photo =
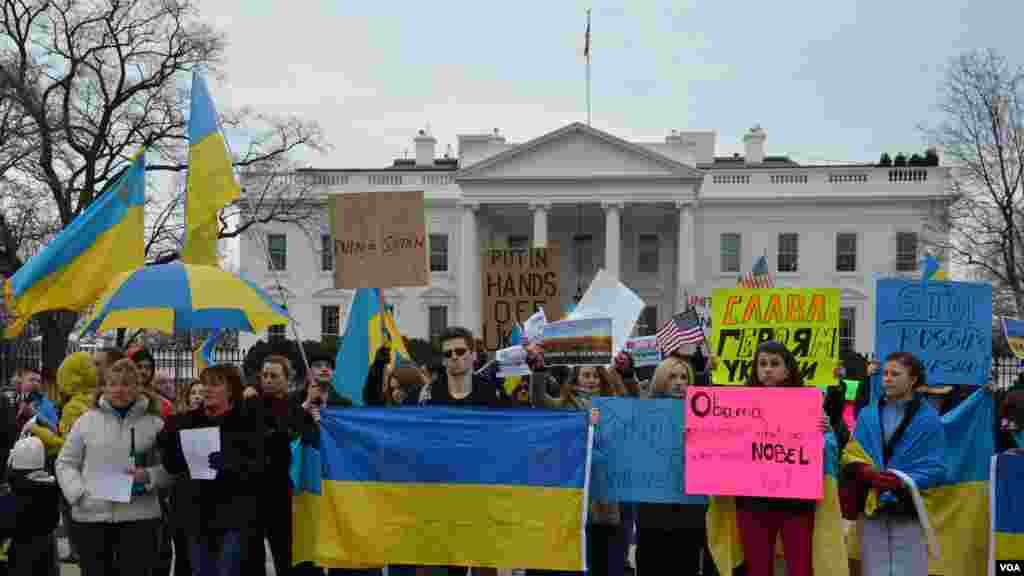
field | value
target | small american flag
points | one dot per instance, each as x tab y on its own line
759	277
683	328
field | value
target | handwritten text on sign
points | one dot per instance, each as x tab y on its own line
947	325
515	284
744	441
638	452
805	320
379	240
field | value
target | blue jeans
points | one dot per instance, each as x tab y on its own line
216	554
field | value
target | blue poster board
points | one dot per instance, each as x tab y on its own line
638	452
947	325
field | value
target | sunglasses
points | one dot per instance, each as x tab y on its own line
455	352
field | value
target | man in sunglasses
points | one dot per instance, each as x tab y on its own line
458	385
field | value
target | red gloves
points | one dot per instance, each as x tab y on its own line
880	480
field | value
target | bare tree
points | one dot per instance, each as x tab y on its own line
85	84
983	139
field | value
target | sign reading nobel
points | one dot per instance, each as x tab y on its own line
380	240
516	283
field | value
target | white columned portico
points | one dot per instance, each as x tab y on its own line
687	251
612	236
469	276
540	223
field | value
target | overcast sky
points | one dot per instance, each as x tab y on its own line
828	81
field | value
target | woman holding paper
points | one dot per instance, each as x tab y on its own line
674	534
113	499
899	432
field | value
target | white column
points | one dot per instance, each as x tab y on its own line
687	252
540	223
469	275
612	236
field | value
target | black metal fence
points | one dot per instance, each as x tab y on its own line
176	364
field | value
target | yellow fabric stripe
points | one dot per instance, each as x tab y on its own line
1009	546
161	319
959	513
83	280
304	526
211	185
495	526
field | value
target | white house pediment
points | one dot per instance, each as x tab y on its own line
578	151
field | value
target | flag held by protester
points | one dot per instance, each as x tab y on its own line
72	271
211	182
369	326
1007	551
454	487
683	328
203	356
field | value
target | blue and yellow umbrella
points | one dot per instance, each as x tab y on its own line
178	297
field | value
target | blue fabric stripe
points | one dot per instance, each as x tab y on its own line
1014	327
105	212
170	281
454	446
919	454
202	120
352	362
1009	508
971	443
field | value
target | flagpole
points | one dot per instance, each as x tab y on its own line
587	54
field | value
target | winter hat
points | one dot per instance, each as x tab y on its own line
27	454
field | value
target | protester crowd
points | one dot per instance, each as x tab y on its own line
108	411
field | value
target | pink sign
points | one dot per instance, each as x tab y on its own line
744	441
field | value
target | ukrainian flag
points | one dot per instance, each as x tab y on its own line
74	268
211	181
369	325
305	476
1008	511
203	356
828	548
454	487
952	475
1014	330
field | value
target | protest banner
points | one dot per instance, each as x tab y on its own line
1006	548
947	325
638	452
583	342
745	441
380	240
805	320
515	285
644	351
1014	331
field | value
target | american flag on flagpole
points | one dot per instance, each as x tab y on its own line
759	277
683	328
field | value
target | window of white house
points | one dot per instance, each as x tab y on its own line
730	249
906	252
277	247
647	324
276	332
647	254
583	254
326	253
518	242
437	321
846	252
438	252
848	329
789	252
330	321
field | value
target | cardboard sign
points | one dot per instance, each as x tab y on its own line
946	325
583	342
754	442
805	320
380	240
638	452
515	285
644	350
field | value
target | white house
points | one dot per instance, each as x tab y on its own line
670	218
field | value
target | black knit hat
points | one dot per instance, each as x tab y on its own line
321	357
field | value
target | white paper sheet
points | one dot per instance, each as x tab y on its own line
196	445
107	478
608	298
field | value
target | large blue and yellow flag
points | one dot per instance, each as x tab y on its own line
453	487
828	547
72	271
369	325
1008	514
951	472
211	181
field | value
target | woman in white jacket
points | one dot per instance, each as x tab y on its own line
115	533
